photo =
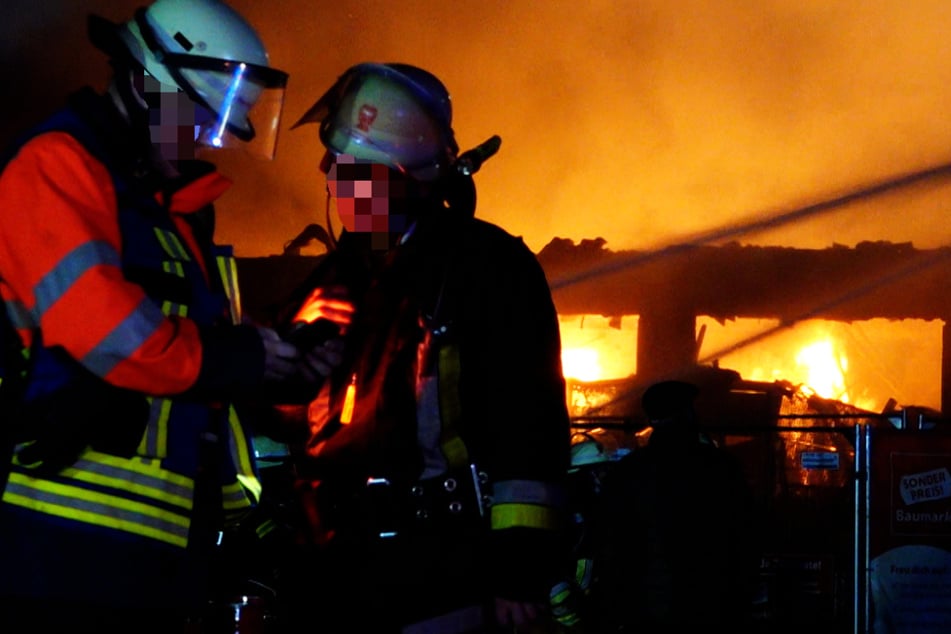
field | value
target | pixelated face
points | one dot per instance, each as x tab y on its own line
174	120
370	197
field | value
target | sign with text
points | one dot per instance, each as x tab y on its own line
910	532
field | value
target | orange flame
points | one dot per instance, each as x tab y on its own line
596	349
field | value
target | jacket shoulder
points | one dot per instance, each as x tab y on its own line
488	239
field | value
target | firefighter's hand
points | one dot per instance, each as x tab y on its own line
319	361
517	613
332	303
281	359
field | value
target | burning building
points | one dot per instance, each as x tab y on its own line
803	449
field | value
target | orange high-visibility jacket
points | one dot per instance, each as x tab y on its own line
106	271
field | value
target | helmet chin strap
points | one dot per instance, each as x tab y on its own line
130	102
329	221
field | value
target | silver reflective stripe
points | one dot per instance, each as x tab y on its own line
155	441
125	338
99	509
136	476
429	427
527	492
20	317
135	496
68	270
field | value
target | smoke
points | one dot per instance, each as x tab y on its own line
645	123
637	122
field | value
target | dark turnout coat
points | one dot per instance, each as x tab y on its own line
676	537
464	306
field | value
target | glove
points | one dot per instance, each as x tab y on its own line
280	357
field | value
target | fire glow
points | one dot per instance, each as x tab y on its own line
818	368
863	365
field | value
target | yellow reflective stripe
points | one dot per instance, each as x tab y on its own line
523	515
455	451
559	593
243	461
450	410
143	466
527	492
584	573
155	440
228	269
234	496
173	267
147	479
265	528
239	443
250	485
562	605
100	509
172	245
570	619
173	308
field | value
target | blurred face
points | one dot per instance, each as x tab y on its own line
174	119
370	197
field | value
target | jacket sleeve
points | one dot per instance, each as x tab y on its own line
60	262
520	401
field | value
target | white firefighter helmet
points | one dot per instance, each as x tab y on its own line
587	451
395	114
210	52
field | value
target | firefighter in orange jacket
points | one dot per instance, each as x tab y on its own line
128	455
437	451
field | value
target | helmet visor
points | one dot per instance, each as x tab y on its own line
377	113
245	101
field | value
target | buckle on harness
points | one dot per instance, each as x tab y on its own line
459	497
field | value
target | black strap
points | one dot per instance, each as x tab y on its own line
13	367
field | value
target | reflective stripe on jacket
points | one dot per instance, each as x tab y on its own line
86	242
479	382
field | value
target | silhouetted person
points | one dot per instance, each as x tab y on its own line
675	532
451	385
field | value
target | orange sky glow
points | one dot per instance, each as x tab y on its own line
646	123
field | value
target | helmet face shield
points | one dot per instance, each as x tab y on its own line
210	52
245	100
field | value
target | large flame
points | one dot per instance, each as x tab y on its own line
581	364
820	357
824	369
818	368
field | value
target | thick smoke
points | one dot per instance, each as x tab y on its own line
637	122
645	123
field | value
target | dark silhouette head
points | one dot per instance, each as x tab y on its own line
669	407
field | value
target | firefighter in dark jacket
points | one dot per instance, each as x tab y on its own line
129	454
676	528
434	464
